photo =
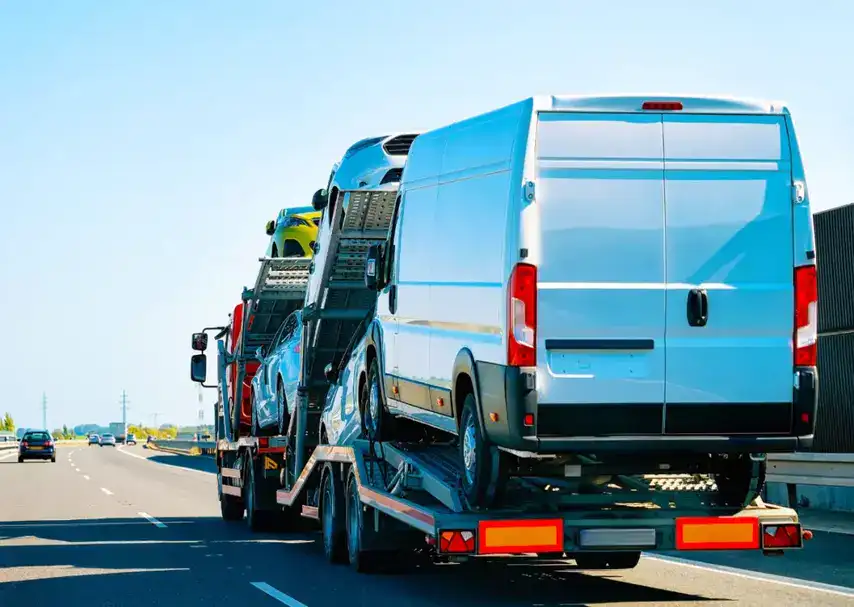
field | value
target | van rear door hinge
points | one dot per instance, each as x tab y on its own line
799	192
529	191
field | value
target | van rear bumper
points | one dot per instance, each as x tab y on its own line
506	395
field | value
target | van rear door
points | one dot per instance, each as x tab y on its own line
600	263
729	274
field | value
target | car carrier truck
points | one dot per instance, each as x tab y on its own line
375	499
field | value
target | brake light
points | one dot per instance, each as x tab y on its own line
781	536
806	316
460	542
662	106
522	316
48	443
24	444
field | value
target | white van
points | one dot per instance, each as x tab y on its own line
589	275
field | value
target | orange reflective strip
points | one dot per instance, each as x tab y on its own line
519	537
717	533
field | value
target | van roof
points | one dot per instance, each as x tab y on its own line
634	103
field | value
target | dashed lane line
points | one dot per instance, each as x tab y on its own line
107	491
277	594
152	520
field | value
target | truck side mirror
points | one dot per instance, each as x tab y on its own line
271	227
330	373
320	199
199	368
374	268
200	342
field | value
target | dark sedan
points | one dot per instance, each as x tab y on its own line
37	444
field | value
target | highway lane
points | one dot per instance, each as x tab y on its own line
132	527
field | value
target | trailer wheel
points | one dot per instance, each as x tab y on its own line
484	466
607	560
230	507
332	515
257	519
741	481
361	559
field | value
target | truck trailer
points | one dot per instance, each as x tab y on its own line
377	498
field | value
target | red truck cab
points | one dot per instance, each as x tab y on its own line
232	343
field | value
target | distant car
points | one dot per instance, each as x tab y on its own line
130	440
37	444
293	232
94	439
108	439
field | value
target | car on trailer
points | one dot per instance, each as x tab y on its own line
293	232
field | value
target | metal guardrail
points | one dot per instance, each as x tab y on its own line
187	447
821	469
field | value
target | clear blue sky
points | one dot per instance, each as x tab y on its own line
143	144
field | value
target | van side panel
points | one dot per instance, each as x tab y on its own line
600	327
728	197
477	188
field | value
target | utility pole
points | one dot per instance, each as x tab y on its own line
125	410
44	410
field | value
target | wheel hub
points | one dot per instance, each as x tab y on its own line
469	453
373	407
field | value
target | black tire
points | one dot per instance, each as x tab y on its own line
332	516
20	460
53	460
741	482
607	560
282	409
257	519
376	421
230	507
361	559
484	467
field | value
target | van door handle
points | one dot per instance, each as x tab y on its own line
392	298
698	307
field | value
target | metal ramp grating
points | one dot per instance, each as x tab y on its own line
362	219
282	278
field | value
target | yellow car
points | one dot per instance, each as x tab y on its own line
293	232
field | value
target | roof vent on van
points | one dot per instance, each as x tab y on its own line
392	176
399	146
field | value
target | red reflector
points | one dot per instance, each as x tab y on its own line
522	316
806	316
805	417
781	536
459	542
529	419
665	106
264	442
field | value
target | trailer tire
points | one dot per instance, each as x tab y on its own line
257	519
484	467
282	414
332	516
607	560
362	560
230	508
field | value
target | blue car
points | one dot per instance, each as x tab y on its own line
36	444
274	387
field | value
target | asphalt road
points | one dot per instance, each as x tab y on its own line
129	527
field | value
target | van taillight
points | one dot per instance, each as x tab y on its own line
806	316
522	316
662	106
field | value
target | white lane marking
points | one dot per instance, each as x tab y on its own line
167	467
107	491
83	524
755	575
278	595
152	520
77	469
86	476
7	455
